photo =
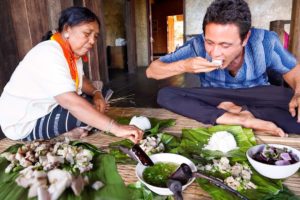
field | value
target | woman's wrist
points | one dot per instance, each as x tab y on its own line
96	91
110	126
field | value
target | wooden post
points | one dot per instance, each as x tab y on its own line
130	35
29	26
149	31
98	62
278	27
295	30
9	55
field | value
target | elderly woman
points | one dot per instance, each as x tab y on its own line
43	97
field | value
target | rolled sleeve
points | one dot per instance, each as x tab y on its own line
281	60
192	48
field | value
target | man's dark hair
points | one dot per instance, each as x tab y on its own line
229	12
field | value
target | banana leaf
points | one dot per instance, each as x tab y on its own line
193	140
140	192
156	124
104	170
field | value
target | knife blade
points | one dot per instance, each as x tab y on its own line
108	95
129	152
142	156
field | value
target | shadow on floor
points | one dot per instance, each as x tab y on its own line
136	90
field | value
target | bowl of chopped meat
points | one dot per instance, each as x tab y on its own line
274	160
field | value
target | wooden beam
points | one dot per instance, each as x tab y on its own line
98	62
9	55
38	19
295	30
130	35
278	27
66	4
21	27
149	32
54	9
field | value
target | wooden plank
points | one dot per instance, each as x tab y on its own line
149	31
9	55
130	35
295	30
98	62
37	13
278	27
21	27
66	4
54	9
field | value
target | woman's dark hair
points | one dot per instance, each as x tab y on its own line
71	17
229	12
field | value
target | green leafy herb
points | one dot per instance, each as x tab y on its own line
159	173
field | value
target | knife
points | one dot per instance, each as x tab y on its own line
137	154
108	95
184	173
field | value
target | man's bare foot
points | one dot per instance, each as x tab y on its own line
230	107
77	133
247	120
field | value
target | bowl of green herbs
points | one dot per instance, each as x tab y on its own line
165	164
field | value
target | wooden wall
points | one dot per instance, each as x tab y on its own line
24	22
160	10
9	55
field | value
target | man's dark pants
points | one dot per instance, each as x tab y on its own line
268	103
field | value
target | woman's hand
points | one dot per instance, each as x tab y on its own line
294	106
129	132
100	104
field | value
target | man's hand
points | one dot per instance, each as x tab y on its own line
198	64
294	106
100	104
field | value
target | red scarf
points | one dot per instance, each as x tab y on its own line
70	57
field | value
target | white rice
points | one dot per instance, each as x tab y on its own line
221	141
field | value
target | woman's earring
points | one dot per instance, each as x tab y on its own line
66	35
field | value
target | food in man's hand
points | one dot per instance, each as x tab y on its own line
141	122
275	156
218	62
221	141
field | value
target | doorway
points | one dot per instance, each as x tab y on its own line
165	17
174	32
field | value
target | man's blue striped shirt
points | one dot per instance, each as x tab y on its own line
263	51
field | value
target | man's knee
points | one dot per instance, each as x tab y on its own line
165	96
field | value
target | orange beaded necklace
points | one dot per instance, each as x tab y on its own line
70	57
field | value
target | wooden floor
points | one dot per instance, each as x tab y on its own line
143	91
193	192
